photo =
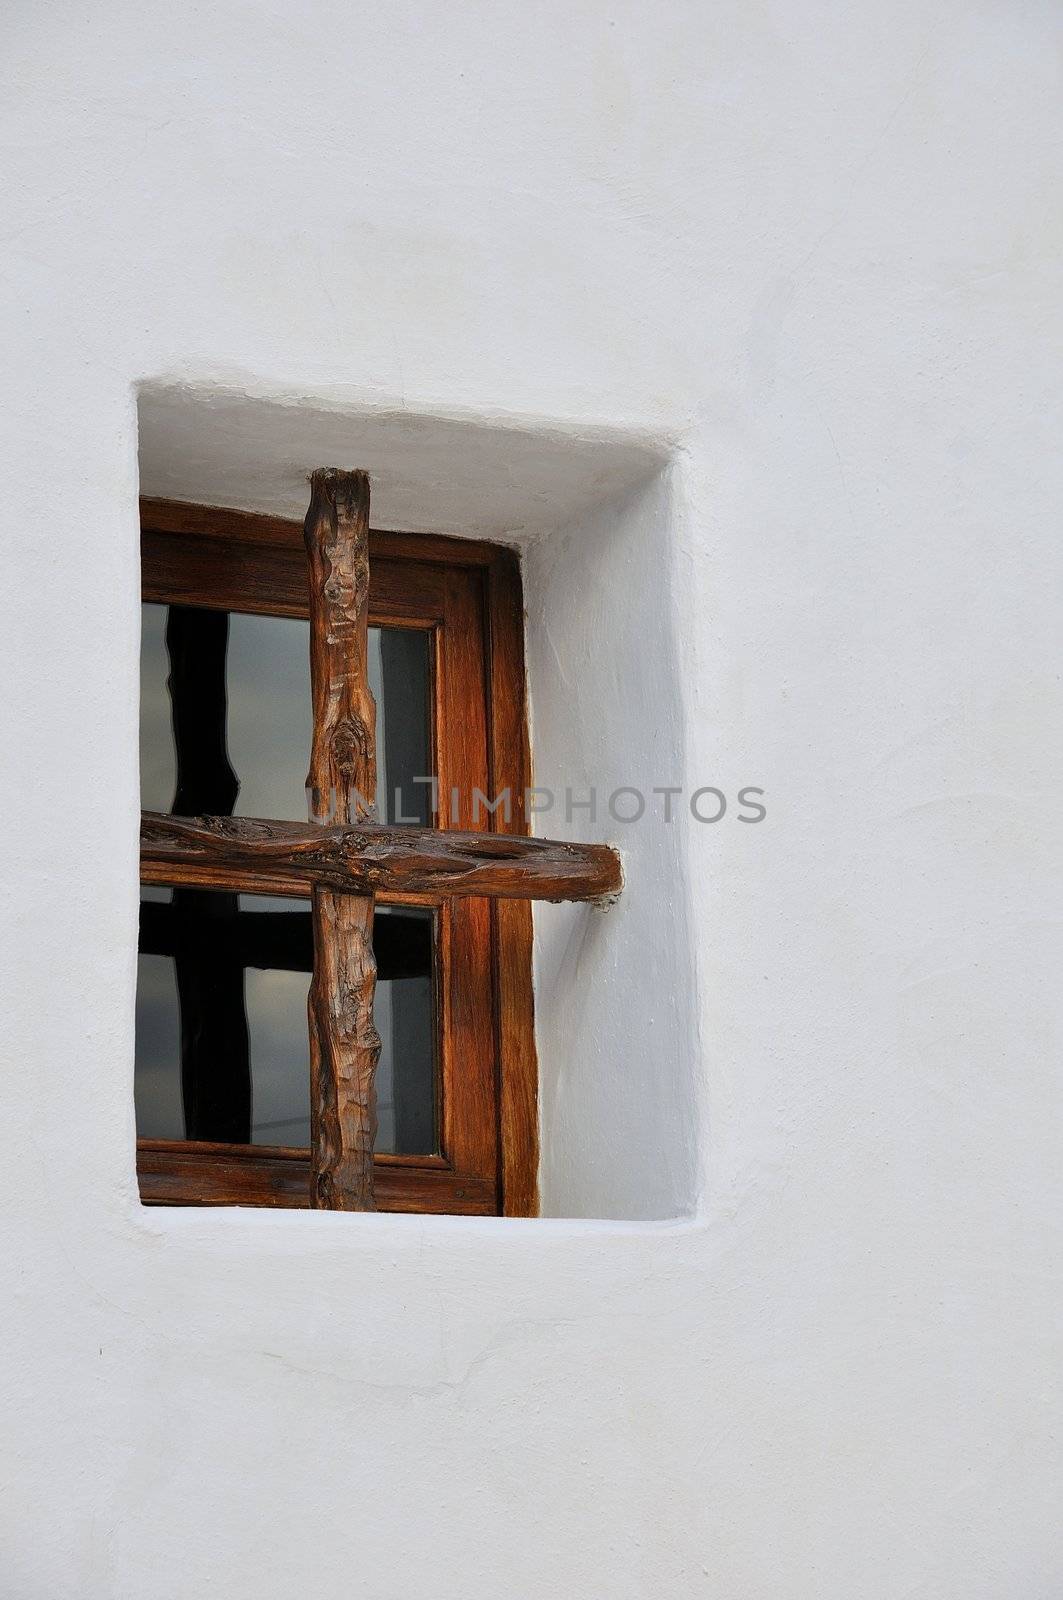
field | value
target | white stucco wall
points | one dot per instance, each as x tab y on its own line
813	256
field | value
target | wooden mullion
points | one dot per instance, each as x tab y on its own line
341	787
470	1133
510	757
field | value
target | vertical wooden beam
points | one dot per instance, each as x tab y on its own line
341	787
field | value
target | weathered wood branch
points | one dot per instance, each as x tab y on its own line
341	788
344	1050
341	783
372	859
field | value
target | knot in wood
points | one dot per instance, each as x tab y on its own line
246	829
351	748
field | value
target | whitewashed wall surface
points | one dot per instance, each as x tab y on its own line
743	319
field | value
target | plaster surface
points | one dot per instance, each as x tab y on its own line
813	259
498	477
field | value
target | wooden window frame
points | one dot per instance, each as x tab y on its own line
468	595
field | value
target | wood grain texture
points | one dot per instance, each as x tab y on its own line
344	1050
222	525
341	782
270	580
470	1064
173	1172
341	788
375	859
518	1109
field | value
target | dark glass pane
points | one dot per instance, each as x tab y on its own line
399	678
221	1034
403	939
244	701
222	1048
157	1074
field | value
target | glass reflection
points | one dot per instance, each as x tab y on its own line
238	689
222	1047
222	1050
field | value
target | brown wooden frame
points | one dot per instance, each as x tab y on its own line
468	593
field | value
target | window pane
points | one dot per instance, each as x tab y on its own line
399	679
270	721
157	768
223	981
404	939
243	702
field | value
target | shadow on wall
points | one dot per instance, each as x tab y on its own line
615	998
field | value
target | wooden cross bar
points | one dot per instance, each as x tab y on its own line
343	856
370	859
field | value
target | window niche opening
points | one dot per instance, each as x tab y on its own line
614	1105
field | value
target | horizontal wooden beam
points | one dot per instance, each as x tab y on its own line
372	859
252	528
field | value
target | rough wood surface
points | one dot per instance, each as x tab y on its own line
344	1050
512	919
341	783
373	859
341	788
